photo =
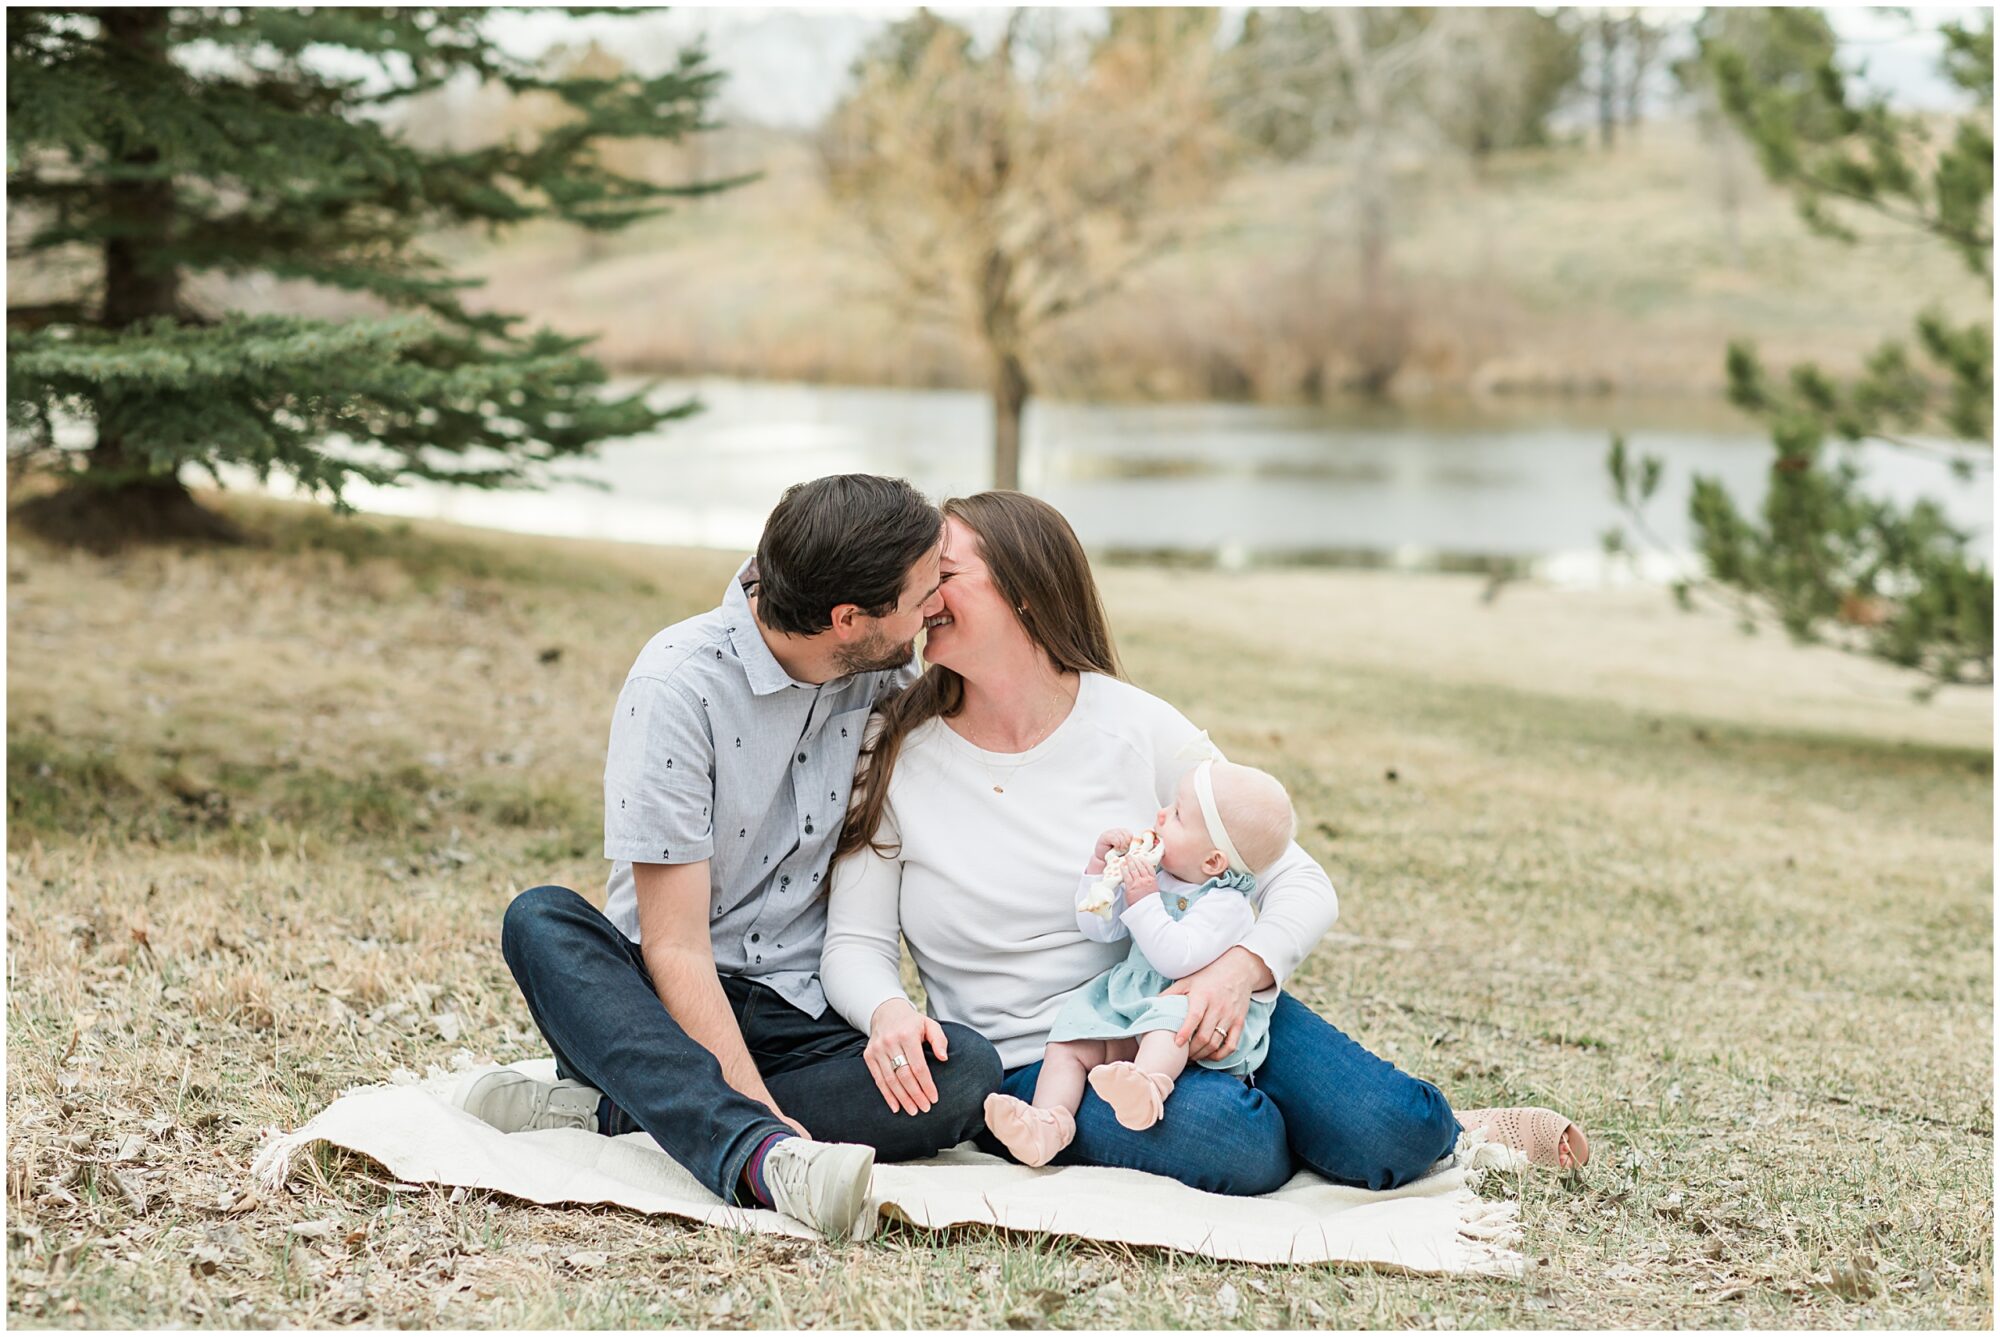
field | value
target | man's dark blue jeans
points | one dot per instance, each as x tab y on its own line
589	992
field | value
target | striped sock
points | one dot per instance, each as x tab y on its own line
753	1173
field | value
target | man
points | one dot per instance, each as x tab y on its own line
691	1007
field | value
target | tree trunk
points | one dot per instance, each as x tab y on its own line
1715	134
1377	347
1000	327
1607	79
1010	399
136	286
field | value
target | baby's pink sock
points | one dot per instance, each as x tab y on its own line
1136	1096
1031	1133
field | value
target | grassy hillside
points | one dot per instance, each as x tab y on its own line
1728	902
1566	270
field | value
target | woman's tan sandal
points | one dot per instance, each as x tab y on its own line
1548	1139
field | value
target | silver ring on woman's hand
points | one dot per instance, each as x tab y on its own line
897	1061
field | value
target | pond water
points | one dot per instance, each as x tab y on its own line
1233	483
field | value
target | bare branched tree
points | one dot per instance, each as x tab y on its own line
1006	189
1355	86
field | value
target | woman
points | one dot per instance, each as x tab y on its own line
974	808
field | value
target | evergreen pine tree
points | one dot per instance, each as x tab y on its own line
1825	559
147	147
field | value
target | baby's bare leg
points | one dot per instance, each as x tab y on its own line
1065	1065
1158	1053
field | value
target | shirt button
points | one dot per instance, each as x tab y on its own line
1180	903
756	937
809	828
760	960
802	756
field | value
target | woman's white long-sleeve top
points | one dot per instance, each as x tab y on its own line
982	884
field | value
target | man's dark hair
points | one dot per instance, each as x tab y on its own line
843	539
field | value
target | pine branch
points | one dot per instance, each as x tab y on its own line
1930	450
1916	218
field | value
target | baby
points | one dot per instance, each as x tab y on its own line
1118	1031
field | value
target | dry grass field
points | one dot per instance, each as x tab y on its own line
1726	901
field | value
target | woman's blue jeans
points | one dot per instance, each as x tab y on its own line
1320	1101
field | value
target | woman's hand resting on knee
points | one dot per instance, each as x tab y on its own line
1218	1000
898	1029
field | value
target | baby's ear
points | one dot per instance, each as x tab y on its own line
1215	864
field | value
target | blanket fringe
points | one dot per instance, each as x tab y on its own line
1496	1221
273	1164
1489	1239
1477	1153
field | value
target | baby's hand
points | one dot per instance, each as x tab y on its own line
1116	839
1140	879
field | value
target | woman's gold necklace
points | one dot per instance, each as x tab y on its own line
1041	736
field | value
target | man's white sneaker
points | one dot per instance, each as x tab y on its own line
514	1103
824	1184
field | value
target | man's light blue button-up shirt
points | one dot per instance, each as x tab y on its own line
717	753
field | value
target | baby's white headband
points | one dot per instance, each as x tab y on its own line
1205	791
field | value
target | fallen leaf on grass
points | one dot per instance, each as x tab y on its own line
586	1260
129	1187
1225	1300
1851	1280
312	1230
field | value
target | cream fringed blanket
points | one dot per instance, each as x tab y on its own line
1437	1224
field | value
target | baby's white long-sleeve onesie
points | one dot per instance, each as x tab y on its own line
1176	948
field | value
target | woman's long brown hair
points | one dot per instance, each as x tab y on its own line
1040	569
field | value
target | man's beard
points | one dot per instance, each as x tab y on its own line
875	655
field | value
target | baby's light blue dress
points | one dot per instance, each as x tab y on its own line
1127	999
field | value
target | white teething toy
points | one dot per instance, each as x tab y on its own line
1145	847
